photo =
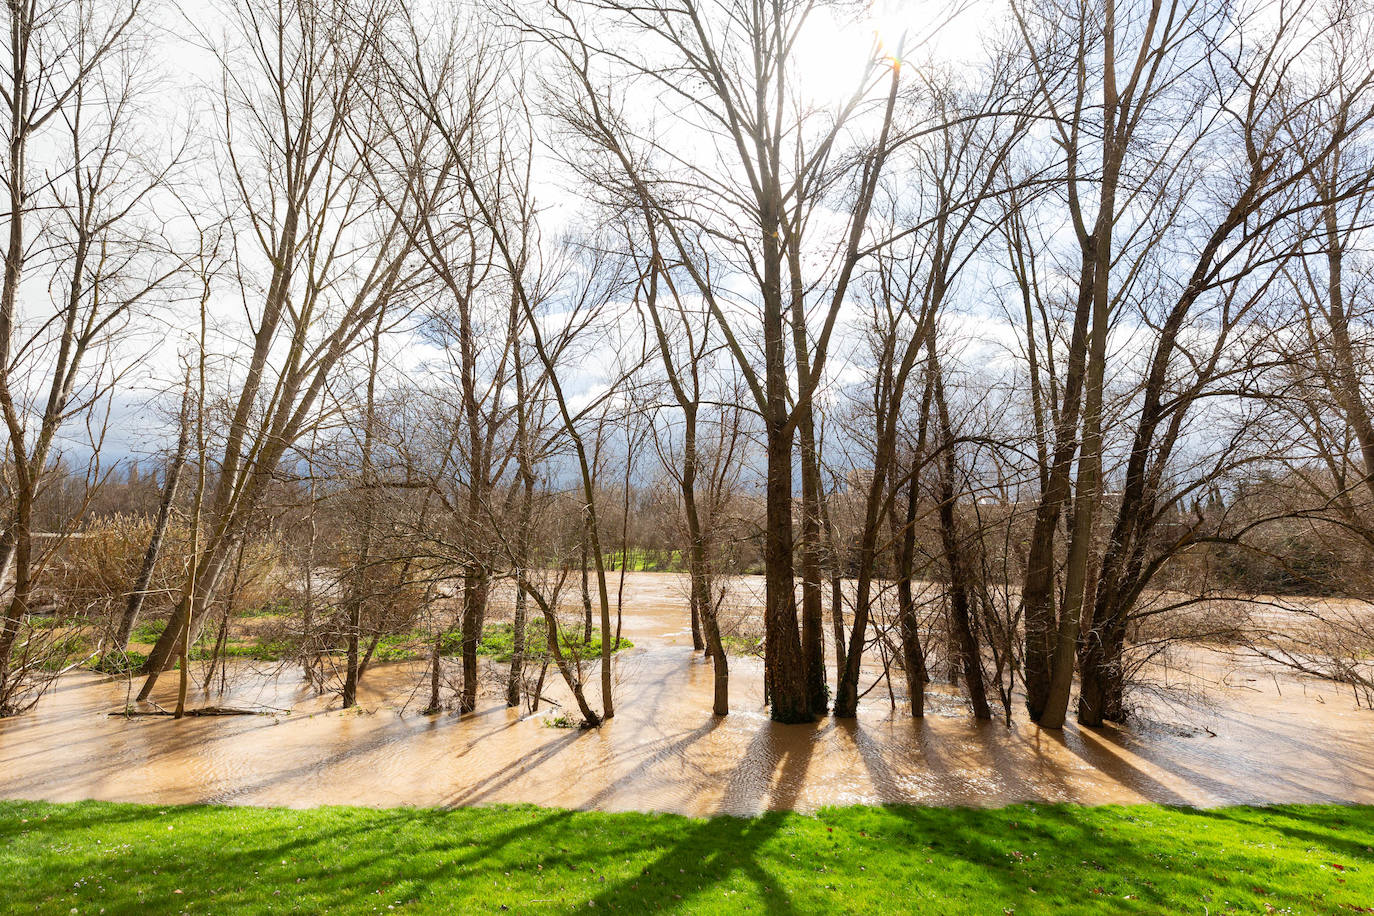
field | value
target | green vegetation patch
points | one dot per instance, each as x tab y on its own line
498	641
270	650
741	645
638	559
120	662
277	607
91	856
148	631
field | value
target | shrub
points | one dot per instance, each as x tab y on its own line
97	568
119	663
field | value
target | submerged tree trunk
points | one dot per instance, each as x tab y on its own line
784	668
1038	591
909	624
230	603
18	606
699	567
847	691
354	624
515	676
694	606
961	618
785	665
1102	676
835	560
589	718
360	579
812	619
474	607
435	666
586	588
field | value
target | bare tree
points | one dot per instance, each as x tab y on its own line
936	235
72	81
685	345
723	75
300	150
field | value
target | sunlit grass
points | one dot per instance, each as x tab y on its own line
91	856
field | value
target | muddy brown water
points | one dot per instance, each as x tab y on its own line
1259	737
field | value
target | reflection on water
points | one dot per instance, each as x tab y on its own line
664	751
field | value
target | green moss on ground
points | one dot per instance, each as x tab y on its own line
91	857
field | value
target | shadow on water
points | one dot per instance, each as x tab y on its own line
1100	754
664	751
483	788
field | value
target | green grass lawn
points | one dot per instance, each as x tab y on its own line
95	857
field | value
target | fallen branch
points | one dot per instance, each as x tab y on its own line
202	711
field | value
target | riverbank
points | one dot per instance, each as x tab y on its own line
93	857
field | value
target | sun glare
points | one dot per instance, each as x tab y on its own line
835	50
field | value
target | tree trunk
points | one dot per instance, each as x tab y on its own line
913	655
517	658
699	569
589	718
18	607
836	561
812	619
784	669
360	583
694	605
1101	672
474	607
961	619
435	661
1037	593
586	589
150	556
355	625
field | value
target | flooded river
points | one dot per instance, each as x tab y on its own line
1259	737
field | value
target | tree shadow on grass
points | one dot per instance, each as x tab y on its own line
82	816
1307	825
336	859
1049	858
771	771
917	859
